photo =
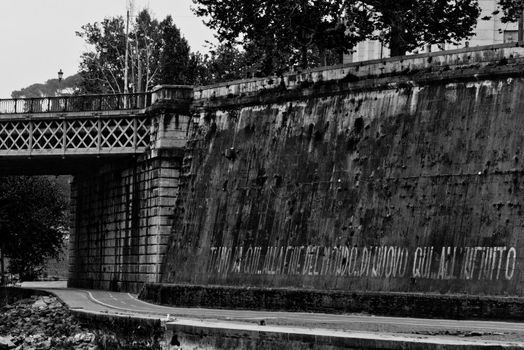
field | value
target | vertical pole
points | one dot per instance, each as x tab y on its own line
126	67
521	27
135	133
31	136
99	141
2	267
64	135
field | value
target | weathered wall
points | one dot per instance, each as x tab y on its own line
121	224
405	181
123	212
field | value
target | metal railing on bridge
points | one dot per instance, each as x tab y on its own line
83	125
75	103
51	126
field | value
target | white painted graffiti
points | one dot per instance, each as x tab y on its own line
446	263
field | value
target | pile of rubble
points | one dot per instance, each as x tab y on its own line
42	323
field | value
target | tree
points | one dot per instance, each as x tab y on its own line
51	87
223	63
175	60
286	32
405	25
512	10
158	54
102	68
32	223
294	31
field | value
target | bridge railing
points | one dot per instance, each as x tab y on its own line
73	103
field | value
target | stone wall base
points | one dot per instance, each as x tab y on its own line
339	302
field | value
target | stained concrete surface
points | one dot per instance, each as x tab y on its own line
415	330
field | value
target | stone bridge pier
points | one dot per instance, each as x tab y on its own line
122	208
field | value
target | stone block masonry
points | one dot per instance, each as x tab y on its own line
121	223
397	175
123	213
401	175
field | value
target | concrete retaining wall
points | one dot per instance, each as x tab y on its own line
409	183
398	175
451	60
217	336
338	302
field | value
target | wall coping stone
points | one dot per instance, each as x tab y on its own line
228	335
403	304
471	58
403	65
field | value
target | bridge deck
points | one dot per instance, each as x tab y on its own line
74	125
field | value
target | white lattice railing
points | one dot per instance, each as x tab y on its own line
70	135
75	103
85	124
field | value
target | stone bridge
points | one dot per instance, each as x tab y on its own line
74	126
121	151
67	134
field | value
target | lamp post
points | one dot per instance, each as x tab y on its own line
58	94
60	76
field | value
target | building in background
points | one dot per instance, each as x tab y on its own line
488	32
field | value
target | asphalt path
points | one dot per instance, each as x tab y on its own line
127	304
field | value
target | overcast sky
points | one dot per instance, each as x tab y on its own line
37	37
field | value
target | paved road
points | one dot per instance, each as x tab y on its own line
128	304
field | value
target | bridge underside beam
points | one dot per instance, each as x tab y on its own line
50	165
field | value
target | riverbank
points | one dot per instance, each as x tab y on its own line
42	321
221	329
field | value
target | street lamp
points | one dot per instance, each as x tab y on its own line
60	76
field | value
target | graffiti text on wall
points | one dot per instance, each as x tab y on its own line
446	263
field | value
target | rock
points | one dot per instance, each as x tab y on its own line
46	345
6	343
48	300
54	305
77	339
89	338
39	304
44	323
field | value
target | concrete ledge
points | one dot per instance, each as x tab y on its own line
403	82
220	335
301	300
11	294
402	65
96	283
138	325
